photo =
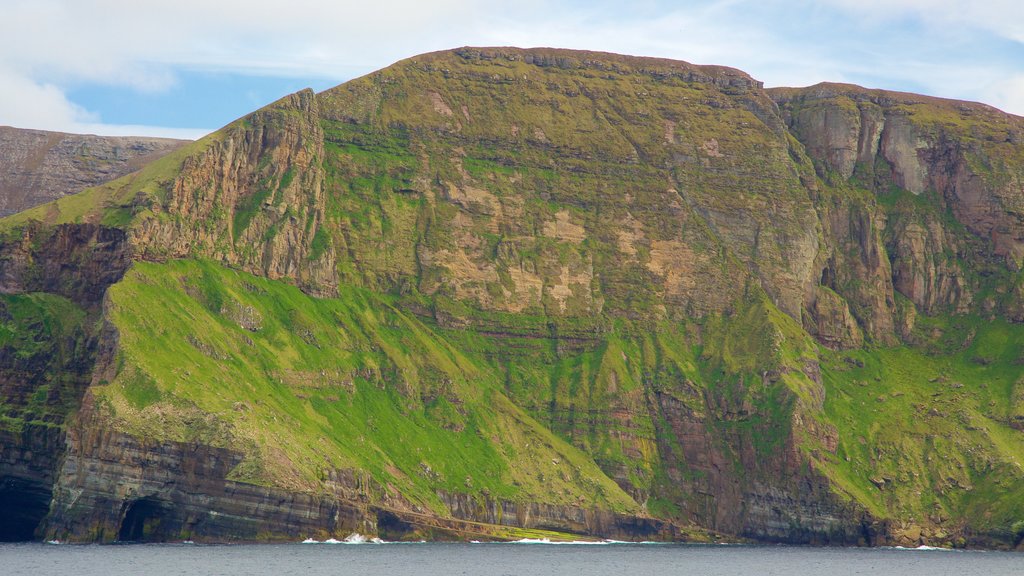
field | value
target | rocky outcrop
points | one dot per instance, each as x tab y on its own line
657	68
113	487
856	270
77	261
37	167
1017	413
565	519
967	154
926	262
831	321
258	194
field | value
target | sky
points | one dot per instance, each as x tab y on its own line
183	68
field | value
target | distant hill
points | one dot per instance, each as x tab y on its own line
37	166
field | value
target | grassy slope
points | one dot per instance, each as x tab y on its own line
303	386
926	435
312	385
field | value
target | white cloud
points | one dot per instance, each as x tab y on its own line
1006	94
26	103
964	49
1002	17
126	41
47	46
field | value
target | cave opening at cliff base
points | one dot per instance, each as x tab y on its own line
23	505
142	520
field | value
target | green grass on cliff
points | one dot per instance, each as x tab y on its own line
304	386
926	435
29	321
43	338
616	389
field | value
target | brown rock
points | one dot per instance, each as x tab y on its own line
38	166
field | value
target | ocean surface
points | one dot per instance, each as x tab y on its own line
437	559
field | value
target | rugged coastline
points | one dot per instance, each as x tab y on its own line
637	300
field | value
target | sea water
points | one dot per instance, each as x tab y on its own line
527	558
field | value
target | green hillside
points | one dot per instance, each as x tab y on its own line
304	386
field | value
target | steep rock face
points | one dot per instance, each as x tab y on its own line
575	291
927	266
856	269
773	499
37	166
47	353
529	210
531	213
112	487
76	261
28	463
846	125
258	194
966	154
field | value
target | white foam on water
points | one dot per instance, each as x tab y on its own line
356	538
353	538
649	542
574	542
